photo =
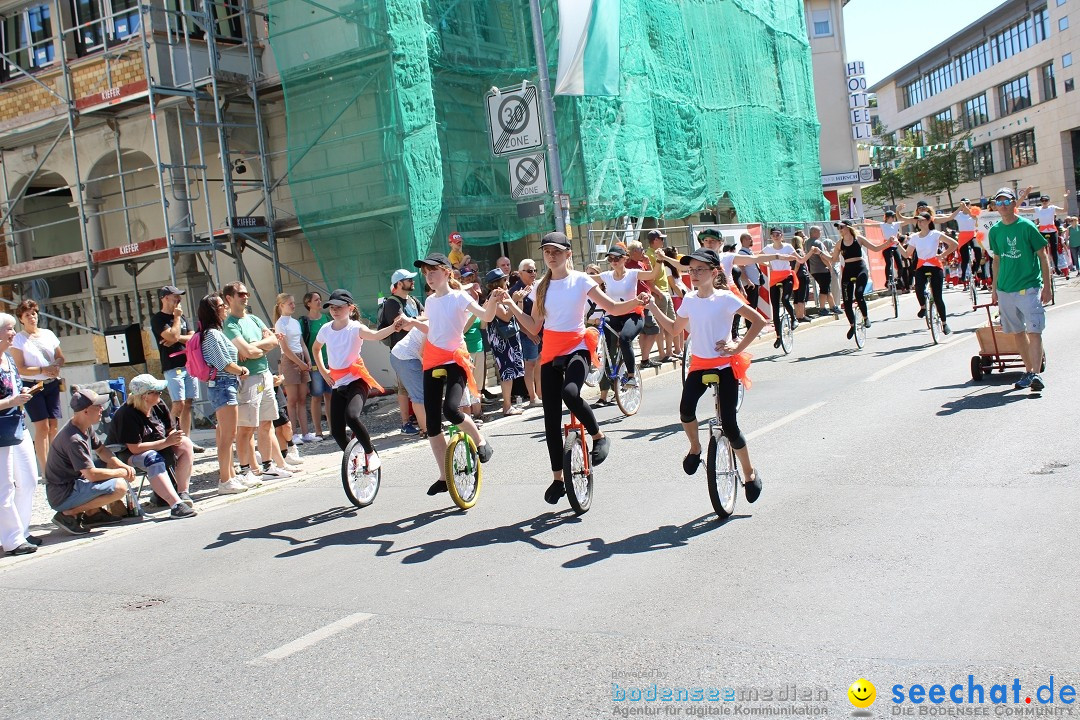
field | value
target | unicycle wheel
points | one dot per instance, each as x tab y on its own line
576	479
361	486
722	475
463	471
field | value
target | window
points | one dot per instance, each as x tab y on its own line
1066	60
943	121
975	113
227	18
1060	2
1069	85
103	22
28	40
1014	95
821	21
914	132
1020	36
981	161
1020	150
1063	23
974	61
1049	87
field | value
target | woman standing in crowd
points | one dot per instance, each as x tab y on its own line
801	293
345	372
220	354
530	344
18	465
295	366
39	358
559	309
474	342
502	335
310	324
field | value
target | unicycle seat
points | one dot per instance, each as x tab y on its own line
438	373
710	379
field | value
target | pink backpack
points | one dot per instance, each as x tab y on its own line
196	366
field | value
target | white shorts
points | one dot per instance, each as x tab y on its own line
1022	312
257	401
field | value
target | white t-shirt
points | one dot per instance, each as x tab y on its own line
926	247
710	320
38	351
1046	215
891	230
620	290
410	347
727	261
447	317
779	265
965	222
564	305
290	328
342	348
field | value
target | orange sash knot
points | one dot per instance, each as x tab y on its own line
933	262
965	237
434	356
360	370
562	343
739	364
778	276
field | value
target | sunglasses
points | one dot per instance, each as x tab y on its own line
531	271
615	258
1000	203
243	294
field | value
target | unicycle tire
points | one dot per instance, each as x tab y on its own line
787	333
577	482
895	302
932	321
722	476
860	328
464	474
361	487
627	397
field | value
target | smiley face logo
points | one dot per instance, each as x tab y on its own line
862	693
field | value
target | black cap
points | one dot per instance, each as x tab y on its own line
890	213
169	290
922	203
339	298
1044	198
775	230
433	260
964	200
707	233
617	251
705	255
845	222
656	234
557	239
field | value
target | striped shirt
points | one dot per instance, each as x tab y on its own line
218	351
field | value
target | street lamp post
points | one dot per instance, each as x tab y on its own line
548	108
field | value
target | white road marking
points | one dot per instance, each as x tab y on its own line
784	421
311	638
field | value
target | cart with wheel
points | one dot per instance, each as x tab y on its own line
997	350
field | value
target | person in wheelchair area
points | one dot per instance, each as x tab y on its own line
152	443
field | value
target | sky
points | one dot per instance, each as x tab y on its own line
875	30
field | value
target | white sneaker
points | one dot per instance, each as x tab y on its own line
293	456
298	439
312	437
373	461
232	487
249	480
279	473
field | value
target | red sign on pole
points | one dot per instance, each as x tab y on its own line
130	251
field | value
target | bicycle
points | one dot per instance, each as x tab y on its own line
361	486
462	465
628	391
721	465
577	469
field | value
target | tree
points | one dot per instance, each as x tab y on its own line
885	158
945	164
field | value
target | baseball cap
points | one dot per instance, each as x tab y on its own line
656	234
339	298
400	275
142	384
82	399
964	200
455	237
169	290
494	276
617	251
845	222
467	273
1044	198
922	203
890	213
775	230
1007	192
433	260
705	255
708	233
556	239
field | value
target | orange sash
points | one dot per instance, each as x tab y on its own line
434	356
933	263
778	276
562	343
736	292
965	236
739	365
360	370
1048	228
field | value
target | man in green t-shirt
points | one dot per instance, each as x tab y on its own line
1021	284
256	398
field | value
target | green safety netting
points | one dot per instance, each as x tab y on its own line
388	142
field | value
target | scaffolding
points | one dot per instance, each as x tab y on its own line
192	69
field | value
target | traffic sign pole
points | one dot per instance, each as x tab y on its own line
548	108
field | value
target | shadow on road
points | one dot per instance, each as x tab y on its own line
664	537
835	353
977	400
525	531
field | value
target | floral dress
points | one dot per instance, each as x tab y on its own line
509	362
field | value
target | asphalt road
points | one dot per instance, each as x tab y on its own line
915	527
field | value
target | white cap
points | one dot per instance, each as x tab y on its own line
400	275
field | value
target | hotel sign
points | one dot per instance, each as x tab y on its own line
858	101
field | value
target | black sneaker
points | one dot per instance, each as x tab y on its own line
866	323
186	499
1037	383
554	492
180	510
600	450
691	462
922	312
69	524
439	486
803	319
776	343
485	451
753	488
851	332
33	540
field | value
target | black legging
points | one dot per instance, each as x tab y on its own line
435	407
346	405
965	259
1052	240
937	283
628	327
803	292
781	291
728	388
853	281
893	265
561	381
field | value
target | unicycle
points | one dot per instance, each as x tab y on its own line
577	471
787	331
895	298
361	486
860	326
933	321
463	471
721	465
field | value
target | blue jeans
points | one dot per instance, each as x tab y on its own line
410	373
181	385
84	491
223	391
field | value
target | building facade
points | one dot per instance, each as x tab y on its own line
1008	80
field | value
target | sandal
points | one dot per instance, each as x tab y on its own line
511	412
